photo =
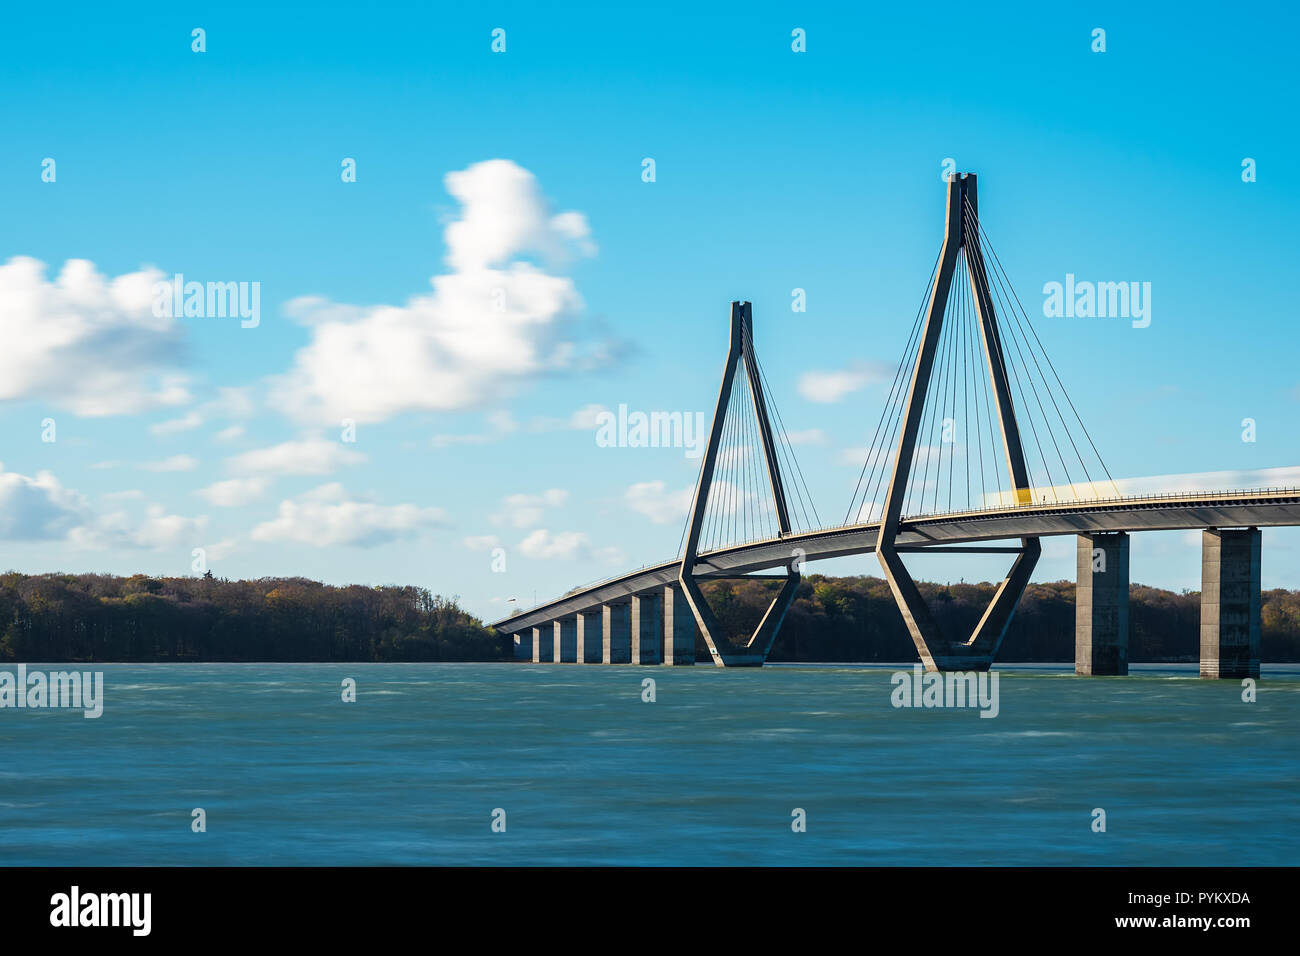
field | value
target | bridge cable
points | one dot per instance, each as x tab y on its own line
795	472
1033	429
908	356
952	394
1017	333
999	268
744	450
965	399
935	396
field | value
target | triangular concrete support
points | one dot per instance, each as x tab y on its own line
753	653
938	652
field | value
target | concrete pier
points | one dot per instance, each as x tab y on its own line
524	646
616	637
566	640
647	632
590	645
1101	624
543	645
679	627
1230	603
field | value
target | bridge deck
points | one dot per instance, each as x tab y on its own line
1237	509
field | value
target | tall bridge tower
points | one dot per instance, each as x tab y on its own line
939	651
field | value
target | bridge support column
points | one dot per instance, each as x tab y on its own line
590	649
617	640
647	633
524	646
1101	627
1230	603
679	627
566	640
543	645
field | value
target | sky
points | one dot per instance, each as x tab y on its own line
416	400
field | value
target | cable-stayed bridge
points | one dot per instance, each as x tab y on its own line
978	443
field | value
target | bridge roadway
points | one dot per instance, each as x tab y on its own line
1210	510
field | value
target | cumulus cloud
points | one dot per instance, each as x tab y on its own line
231	402
309	456
37	509
566	546
174	426
41	509
524	511
832	385
86	342
809	436
158	531
174	463
235	491
326	516
492	323
500	423
656	502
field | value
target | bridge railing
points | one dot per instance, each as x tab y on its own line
1118	499
1033	506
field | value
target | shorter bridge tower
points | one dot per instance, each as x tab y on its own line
753	651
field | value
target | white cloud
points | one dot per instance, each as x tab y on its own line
809	436
37	509
231	402
524	511
326	516
221	550
491	324
235	491
174	463
86	342
41	509
500	423
587	418
566	546
482	542
158	530
230	434
308	456
131	494
175	426
652	499
832	385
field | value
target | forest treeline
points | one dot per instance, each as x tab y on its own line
856	619
99	617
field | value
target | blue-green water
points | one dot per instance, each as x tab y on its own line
709	773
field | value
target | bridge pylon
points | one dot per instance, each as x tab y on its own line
939	652
753	652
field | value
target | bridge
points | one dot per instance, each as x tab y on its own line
973	373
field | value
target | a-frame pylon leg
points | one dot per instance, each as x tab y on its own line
979	650
753	652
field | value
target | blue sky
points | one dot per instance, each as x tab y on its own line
775	170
